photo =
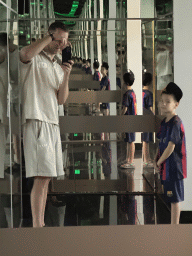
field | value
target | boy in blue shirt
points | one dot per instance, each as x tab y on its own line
147	105
97	75
129	108
105	85
171	158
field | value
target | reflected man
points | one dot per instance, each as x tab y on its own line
44	87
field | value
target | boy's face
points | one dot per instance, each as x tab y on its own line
103	71
168	104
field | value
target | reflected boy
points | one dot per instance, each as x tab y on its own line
129	108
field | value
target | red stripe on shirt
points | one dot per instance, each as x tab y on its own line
183	151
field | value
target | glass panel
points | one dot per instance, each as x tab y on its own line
5	153
94	163
91	210
15	117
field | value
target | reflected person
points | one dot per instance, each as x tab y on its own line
44	87
129	107
148	106
4	122
105	86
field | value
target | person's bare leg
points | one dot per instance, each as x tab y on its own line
44	202
175	213
37	199
128	154
132	151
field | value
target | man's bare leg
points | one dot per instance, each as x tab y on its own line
175	213
44	201
38	198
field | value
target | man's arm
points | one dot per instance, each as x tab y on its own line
63	91
167	152
27	53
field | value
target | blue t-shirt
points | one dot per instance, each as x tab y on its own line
129	101
88	70
97	76
105	82
147	99
175	166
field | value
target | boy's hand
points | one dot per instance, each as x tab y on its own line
157	170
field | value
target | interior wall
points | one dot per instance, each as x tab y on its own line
182	77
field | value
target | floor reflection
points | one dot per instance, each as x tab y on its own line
102	193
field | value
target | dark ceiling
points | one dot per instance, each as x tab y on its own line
70	8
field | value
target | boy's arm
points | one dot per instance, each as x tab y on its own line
124	110
167	152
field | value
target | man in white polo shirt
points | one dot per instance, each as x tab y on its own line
44	87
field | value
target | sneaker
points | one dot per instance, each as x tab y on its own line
128	166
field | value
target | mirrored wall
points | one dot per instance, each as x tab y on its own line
99	141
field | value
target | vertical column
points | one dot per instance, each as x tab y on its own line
91	38
112	77
134	49
134	62
86	30
99	53
182	77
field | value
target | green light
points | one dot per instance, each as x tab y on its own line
77	171
77	163
75	134
21	32
74	7
91	170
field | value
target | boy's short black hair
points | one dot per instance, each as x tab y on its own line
88	60
58	24
84	60
147	79
96	64
105	65
174	90
129	78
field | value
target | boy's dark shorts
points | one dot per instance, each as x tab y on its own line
173	191
147	136
129	137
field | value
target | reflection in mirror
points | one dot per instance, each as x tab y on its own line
5	187
87	156
15	117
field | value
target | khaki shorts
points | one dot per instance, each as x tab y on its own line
42	149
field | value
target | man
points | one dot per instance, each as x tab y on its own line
44	87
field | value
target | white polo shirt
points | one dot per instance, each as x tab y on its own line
40	80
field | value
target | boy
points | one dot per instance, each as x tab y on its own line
148	105
88	67
105	85
129	108
97	75
171	157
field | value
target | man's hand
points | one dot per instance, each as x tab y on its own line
67	67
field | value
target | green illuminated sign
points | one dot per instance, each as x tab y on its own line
77	171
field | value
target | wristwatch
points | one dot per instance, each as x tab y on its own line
52	37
